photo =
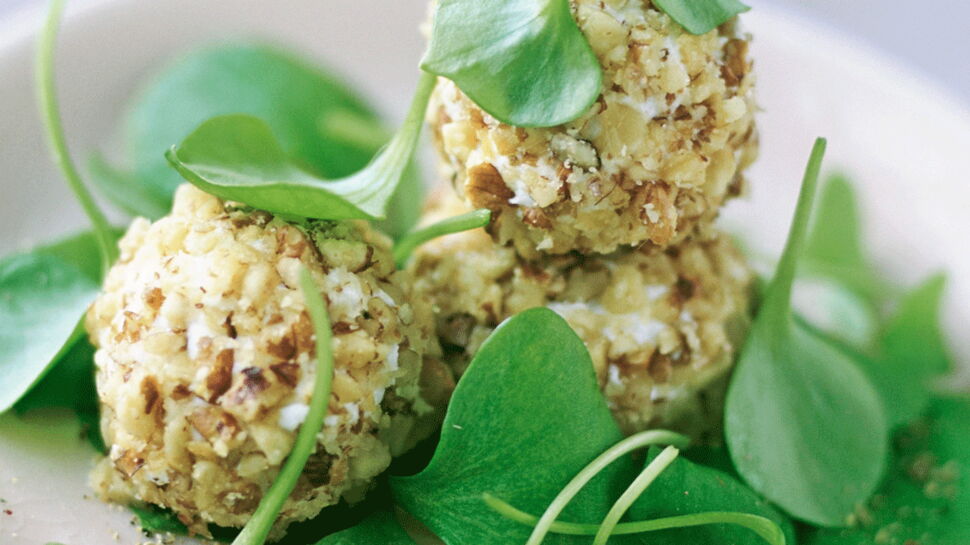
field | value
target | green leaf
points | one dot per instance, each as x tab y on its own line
686	488
804	425
259	525
926	497
68	384
525	62
839	311
41	300
156	520
525	417
237	157
464	222
701	16
292	96
834	247
380	528
914	352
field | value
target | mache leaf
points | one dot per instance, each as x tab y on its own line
914	352
700	16
525	62
525	417
687	488
237	157
379	528
41	301
804	425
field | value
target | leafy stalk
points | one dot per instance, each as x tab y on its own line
258	527
630	495
456	224
634	442
762	526
55	135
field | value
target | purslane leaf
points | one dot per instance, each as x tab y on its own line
700	16
804	425
525	62
42	299
237	157
914	352
926	497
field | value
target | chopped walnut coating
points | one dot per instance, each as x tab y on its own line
206	362
651	161
662	325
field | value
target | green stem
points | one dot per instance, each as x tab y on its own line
465	222
765	528
634	442
778	299
634	491
58	143
259	526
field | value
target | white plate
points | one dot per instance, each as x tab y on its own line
904	142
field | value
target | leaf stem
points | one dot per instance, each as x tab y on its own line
765	528
778	298
630	495
634	442
54	128
259	526
456	224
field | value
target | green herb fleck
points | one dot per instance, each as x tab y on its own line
525	62
804	425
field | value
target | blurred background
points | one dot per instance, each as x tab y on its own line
931	35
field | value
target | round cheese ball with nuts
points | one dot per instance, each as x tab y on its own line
206	362
651	161
662	325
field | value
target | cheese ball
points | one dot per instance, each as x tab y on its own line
651	161
206	362
662	325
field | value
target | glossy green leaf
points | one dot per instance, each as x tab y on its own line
914	352
525	417
700	16
840	312
926	497
68	384
525	62
804	425
834	246
688	488
41	301
464	222
237	157
378	529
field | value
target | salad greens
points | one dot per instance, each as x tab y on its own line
804	425
525	62
378	528
236	157
701	16
321	123
464	222
259	526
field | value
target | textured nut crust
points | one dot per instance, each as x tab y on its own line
206	362
652	160
661	325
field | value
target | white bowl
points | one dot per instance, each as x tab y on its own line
905	143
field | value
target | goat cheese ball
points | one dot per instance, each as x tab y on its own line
206	362
662	325
651	161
